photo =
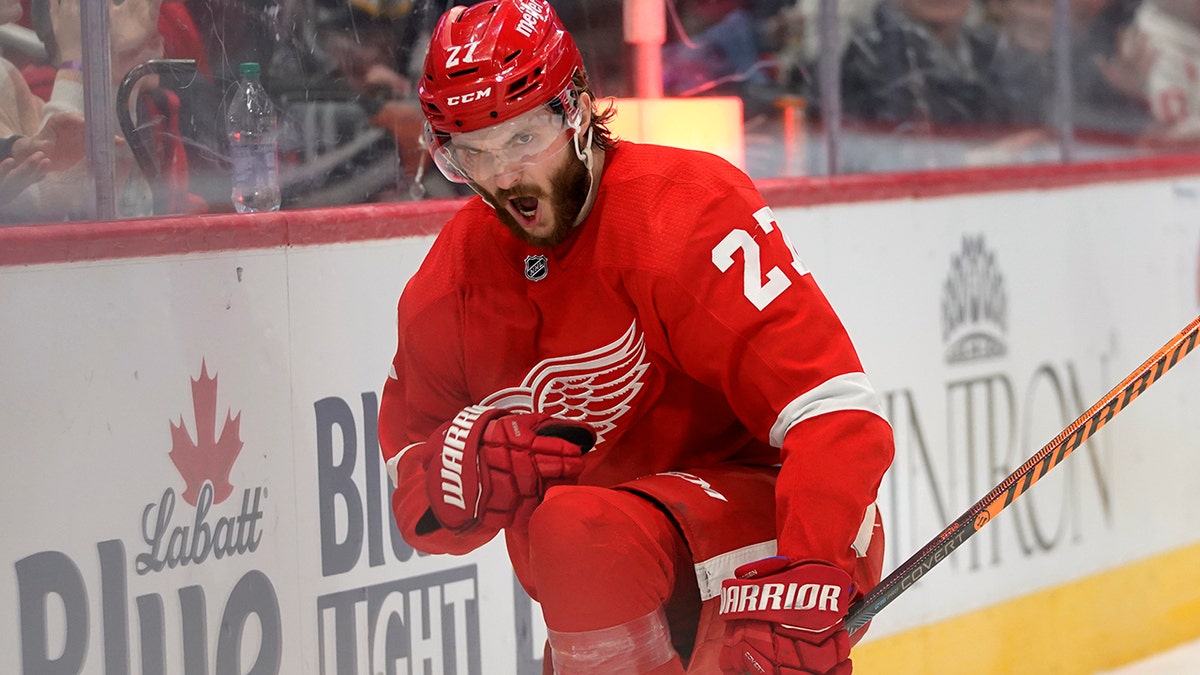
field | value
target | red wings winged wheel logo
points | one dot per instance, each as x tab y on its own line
596	387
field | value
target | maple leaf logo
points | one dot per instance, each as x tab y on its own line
207	458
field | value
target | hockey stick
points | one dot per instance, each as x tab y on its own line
982	513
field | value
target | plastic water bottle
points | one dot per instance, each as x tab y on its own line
253	143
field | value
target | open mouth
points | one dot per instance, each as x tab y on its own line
525	207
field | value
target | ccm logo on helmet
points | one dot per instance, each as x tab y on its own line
823	597
531	14
467	98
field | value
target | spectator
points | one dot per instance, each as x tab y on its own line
343	77
133	39
38	137
1159	65
921	63
717	49
170	111
1105	83
335	67
792	34
1023	66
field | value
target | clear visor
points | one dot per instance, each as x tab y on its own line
512	146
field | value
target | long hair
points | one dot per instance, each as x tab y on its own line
602	137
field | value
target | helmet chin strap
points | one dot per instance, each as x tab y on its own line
585	155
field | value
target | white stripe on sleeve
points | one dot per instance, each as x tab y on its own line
393	471
851	391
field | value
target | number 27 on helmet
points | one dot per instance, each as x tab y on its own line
490	64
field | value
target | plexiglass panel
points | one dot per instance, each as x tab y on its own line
825	87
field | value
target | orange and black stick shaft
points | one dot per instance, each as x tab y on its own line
941	546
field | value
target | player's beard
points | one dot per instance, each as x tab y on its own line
568	193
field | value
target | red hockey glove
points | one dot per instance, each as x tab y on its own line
489	466
784	617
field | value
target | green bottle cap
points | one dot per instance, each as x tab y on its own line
250	69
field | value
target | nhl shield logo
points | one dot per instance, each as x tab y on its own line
536	267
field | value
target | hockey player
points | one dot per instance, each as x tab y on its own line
614	355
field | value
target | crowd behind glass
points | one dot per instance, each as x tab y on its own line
913	85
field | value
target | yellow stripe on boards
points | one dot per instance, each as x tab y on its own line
1096	623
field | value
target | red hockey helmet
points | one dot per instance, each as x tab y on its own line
493	61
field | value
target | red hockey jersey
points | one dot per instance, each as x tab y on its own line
676	319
